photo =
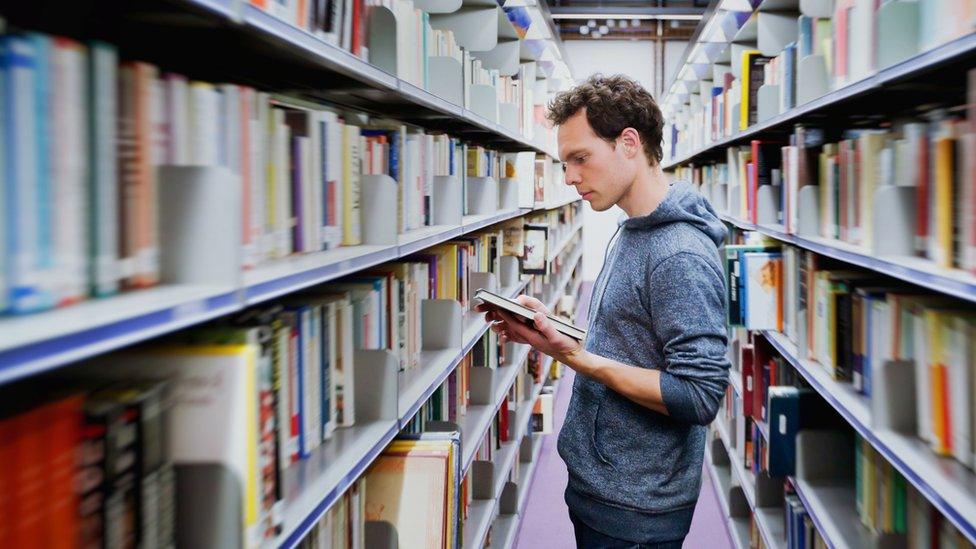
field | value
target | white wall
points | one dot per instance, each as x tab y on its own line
636	60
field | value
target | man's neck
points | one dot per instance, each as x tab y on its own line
646	192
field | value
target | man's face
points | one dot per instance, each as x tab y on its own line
599	170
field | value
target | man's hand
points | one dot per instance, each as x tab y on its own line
540	334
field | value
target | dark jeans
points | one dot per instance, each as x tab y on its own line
588	538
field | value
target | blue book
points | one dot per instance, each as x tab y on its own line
804	41
789	76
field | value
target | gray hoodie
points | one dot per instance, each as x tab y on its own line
659	302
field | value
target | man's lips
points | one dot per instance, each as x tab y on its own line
586	194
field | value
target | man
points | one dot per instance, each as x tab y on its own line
653	368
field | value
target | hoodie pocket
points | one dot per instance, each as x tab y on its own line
595	432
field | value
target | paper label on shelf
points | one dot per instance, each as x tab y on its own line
748	383
782	424
147	261
127	267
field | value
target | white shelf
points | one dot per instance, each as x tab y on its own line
475	222
565	277
915	66
312	485
417	385
945	482
527	472
558	248
553	204
481	513
477	419
768	519
833	510
505	457
737	528
923	272
34	343
418	239
503	531
293	273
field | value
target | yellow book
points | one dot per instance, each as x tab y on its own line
868	180
944	173
744	102
936	327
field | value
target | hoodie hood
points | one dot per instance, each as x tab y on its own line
683	204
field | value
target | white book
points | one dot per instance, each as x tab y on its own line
316	181
229	104
213	421
178	119
335	178
345	392
204	130
330	334
351	186
259	165
69	169
959	380
103	185
282	187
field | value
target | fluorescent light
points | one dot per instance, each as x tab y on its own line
632	17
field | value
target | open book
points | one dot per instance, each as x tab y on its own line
518	309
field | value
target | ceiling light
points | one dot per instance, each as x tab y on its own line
604	29
623	24
635	23
611	23
584	30
591	23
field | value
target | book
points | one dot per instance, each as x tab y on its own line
516	308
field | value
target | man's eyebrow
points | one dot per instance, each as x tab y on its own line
574	152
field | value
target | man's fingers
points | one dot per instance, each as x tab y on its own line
531	303
543	325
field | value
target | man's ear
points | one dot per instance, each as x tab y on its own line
631	141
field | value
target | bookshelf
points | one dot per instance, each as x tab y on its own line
832	507
875	94
946	483
918	271
236	41
34	343
768	519
902	67
720	473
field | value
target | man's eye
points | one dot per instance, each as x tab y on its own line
580	159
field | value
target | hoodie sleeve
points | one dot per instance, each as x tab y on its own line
688	317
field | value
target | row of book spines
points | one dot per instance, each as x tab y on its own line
344	524
857	322
109	439
825	37
881	492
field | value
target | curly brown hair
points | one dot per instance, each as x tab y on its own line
612	104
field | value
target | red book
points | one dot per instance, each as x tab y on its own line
357	24
62	437
748	378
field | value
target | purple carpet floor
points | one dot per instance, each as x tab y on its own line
546	522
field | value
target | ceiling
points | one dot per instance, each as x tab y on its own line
626	19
